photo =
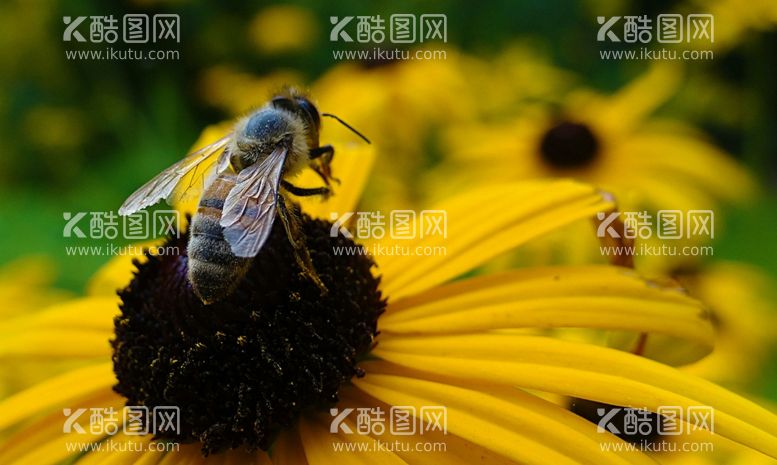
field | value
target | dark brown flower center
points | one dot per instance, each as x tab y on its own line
245	367
569	145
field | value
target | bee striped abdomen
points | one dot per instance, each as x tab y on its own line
214	271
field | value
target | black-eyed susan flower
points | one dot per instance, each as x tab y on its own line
263	368
406	102
610	141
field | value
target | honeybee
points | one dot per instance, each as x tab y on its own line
243	178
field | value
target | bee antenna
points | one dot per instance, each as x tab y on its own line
348	126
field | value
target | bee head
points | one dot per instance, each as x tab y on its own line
300	106
304	108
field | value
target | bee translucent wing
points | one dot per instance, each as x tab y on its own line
194	183
249	209
163	186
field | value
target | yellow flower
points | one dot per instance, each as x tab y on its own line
457	343
607	141
403	104
283	29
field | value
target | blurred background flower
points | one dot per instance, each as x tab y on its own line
283	29
609	141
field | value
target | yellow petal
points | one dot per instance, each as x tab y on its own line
189	454
320	446
287	449
681	156
56	392
600	297
585	371
150	457
129	449
636	100
79	328
56	344
661	191
484	223
516	424
44	442
84	313
440	447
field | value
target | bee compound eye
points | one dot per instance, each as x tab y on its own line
283	103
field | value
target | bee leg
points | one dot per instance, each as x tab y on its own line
318	170
325	192
297	240
324	154
317	152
